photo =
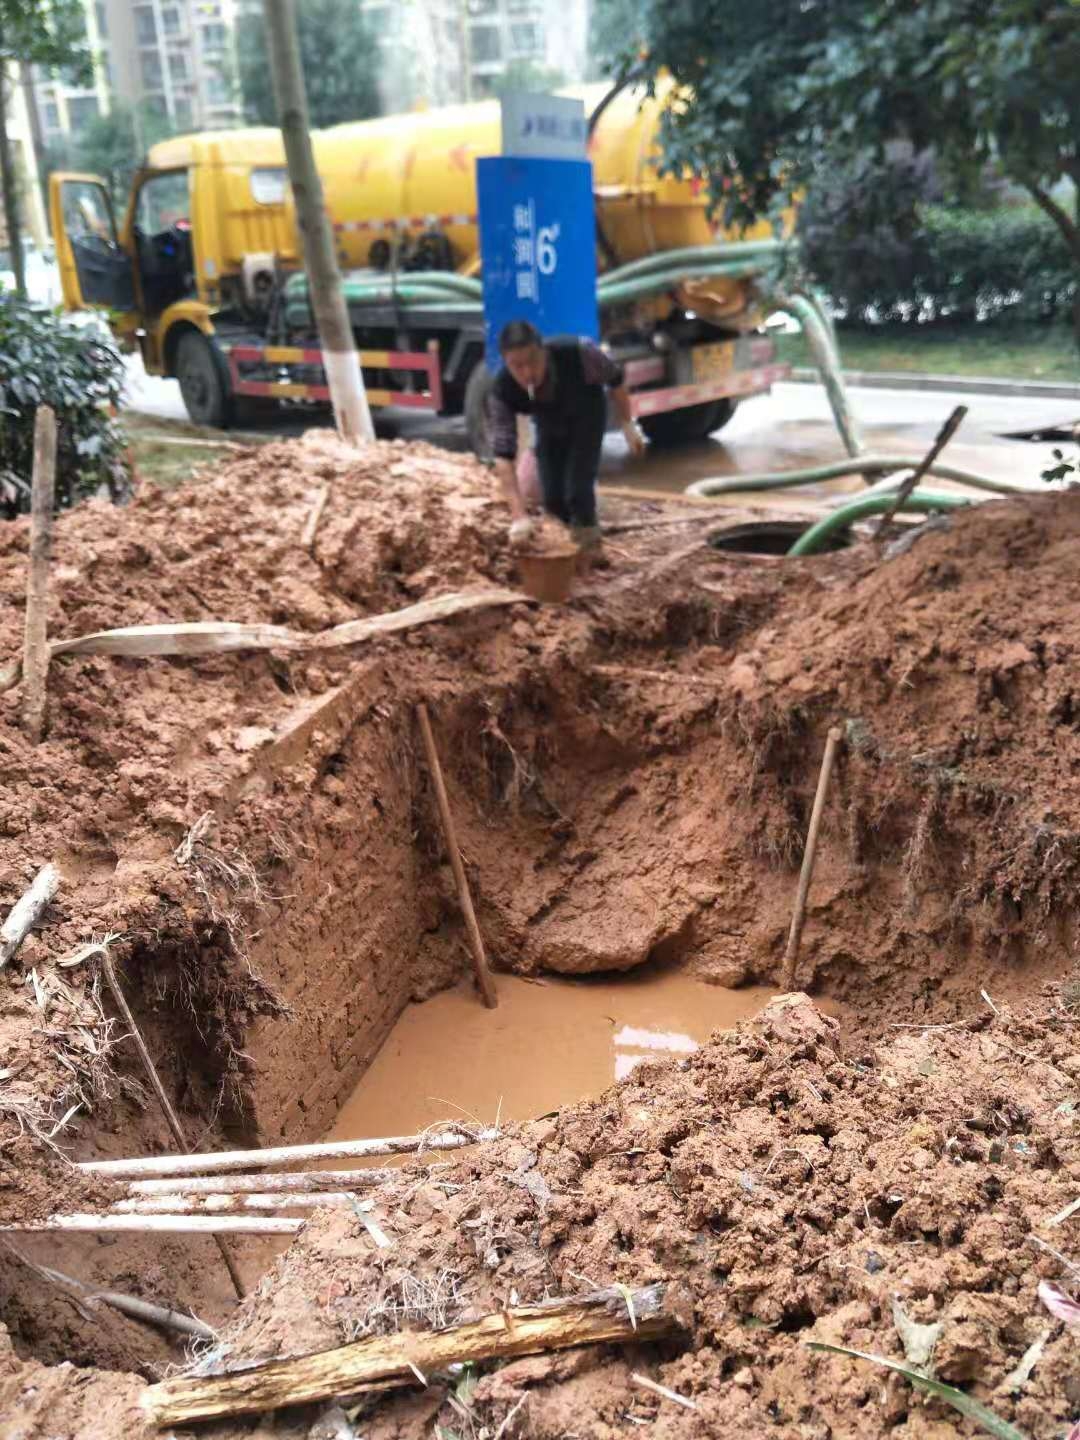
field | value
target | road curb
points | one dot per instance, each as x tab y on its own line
964	384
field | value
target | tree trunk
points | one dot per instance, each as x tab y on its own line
9	183
340	361
1070	231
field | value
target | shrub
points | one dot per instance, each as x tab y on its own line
46	359
879	242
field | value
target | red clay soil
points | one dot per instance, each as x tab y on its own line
632	775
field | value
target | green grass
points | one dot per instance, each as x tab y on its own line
168	452
1005	352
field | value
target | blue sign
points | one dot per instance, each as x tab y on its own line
537	246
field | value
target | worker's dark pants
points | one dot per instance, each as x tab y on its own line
568	458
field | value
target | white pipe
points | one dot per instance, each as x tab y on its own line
236	1184
223	1160
220	1204
163	1224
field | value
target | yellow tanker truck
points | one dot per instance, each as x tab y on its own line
205	272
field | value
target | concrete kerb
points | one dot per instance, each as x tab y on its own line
962	384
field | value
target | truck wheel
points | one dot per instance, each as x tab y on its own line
204	381
477	422
683	427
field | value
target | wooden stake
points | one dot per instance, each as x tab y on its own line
604	1315
791	955
26	911
944	435
215	1161
163	1099
476	943
36	642
311	524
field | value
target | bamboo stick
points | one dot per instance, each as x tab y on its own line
605	1315
26	911
476	942
216	1161
160	1224
791	955
238	1184
36	640
163	1099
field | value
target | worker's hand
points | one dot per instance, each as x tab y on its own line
521	532
634	438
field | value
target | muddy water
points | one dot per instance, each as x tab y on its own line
546	1045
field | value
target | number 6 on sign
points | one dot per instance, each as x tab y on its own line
547	256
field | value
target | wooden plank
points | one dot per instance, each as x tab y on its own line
602	1316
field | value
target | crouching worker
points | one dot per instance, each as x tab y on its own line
559	382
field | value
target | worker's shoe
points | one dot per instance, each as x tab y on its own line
588	540
586	537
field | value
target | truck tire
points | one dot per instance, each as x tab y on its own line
477	421
683	427
204	381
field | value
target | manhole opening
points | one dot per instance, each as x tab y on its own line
771	537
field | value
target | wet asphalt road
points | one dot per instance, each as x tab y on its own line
788	429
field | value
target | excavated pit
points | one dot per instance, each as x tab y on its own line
631	777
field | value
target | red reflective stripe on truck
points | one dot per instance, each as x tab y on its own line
403	222
680	397
426	361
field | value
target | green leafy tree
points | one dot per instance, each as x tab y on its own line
772	86
34	32
115	145
616	28
339	58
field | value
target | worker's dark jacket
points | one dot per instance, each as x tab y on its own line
571	396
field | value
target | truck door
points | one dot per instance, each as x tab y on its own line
94	270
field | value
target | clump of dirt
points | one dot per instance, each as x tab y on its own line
803	1194
632	775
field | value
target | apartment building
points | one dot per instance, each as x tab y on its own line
439	52
504	35
172	57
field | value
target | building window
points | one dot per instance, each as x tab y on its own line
155	105
52	115
525	39
483	7
213	37
81	110
178	66
102	19
217	92
145	29
484	44
183	112
150	62
170	21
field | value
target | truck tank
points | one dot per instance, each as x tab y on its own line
416	173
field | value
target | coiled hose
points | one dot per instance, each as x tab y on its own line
920	501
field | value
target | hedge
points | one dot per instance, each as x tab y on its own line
879	242
75	368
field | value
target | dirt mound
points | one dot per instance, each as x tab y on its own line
802	1194
632	776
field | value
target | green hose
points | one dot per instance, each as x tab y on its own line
858	464
827	360
810	541
692	255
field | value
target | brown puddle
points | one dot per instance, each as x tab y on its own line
548	1044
